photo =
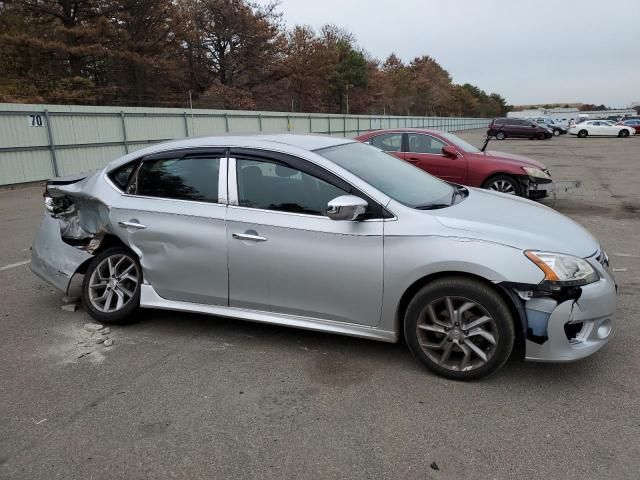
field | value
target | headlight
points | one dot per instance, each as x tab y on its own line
534	172
563	269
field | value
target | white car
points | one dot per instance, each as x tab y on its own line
600	128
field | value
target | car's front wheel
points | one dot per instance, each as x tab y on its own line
504	184
111	286
623	133
556	133
460	328
500	135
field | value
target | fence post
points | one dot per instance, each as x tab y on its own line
344	126
226	122
124	133
358	126
329	119
288	123
260	122
186	124
310	125
52	146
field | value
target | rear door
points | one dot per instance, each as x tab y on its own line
173	216
286	256
425	151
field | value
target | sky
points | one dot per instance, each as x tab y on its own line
529	51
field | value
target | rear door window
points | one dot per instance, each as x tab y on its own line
179	178
388	142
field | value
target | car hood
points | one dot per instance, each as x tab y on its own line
513	159
517	222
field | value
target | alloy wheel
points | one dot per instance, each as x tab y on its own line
503	186
457	333
113	283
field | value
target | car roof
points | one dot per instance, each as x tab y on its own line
403	130
283	142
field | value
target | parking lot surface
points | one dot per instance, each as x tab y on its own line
190	396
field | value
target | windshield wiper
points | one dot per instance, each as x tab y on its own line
433	206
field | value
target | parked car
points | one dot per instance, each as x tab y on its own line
556	128
600	128
633	123
502	128
332	235
450	158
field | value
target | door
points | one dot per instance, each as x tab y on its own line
425	151
599	128
173	217
527	129
286	256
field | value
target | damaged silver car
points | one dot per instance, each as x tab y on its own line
330	235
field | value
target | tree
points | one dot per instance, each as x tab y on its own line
218	53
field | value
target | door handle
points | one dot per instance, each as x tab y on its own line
248	236
413	159
136	225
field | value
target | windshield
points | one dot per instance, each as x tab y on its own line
393	177
460	143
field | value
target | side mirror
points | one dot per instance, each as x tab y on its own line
450	151
346	207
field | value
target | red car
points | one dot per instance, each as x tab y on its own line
450	158
631	122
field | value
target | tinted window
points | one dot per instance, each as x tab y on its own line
122	175
425	144
272	186
182	179
389	142
499	121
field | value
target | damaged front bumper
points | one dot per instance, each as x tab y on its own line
572	325
541	190
52	259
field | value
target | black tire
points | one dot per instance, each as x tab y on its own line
490	184
467	289
556	133
126	313
541	136
583	134
500	136
491	133
623	133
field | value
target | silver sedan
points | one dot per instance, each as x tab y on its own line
330	235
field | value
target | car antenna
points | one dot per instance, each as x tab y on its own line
486	142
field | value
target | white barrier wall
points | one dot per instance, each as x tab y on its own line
43	141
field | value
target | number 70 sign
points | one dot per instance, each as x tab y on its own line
34	120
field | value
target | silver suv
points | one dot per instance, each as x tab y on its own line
331	235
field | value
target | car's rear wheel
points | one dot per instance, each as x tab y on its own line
582	134
500	136
504	184
540	136
623	133
111	286
459	328
556	133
